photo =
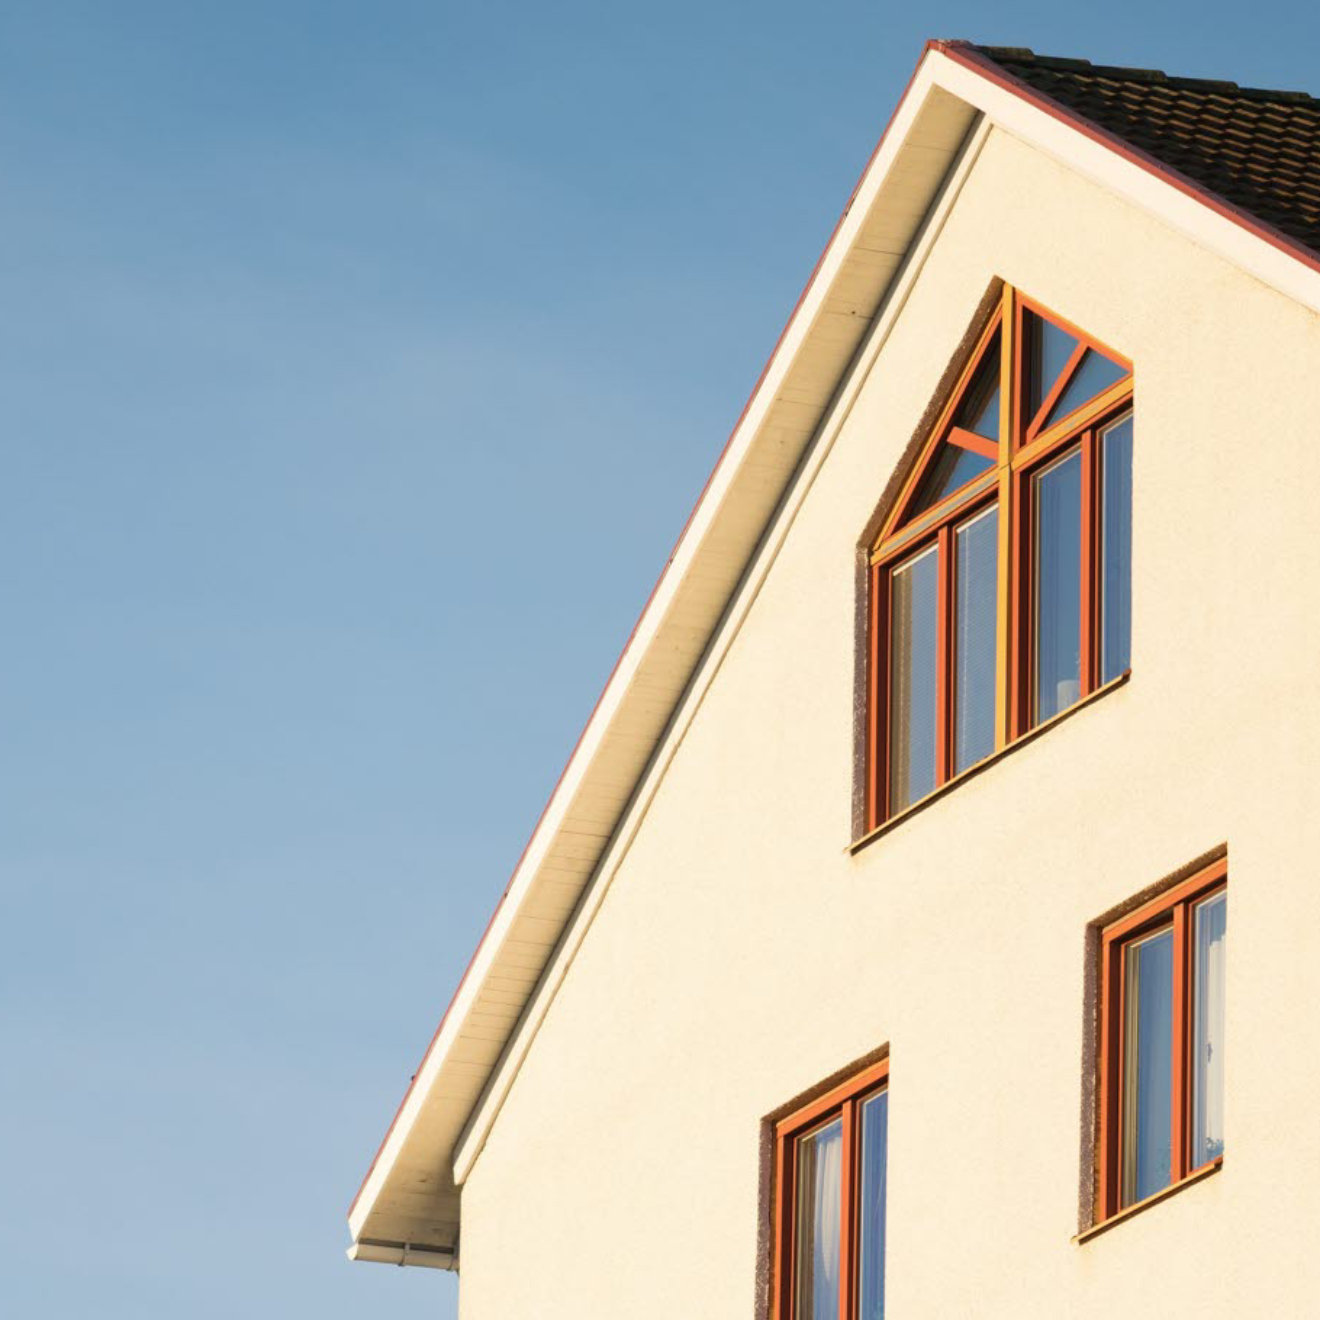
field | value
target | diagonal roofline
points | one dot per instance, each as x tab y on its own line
651	595
408	1198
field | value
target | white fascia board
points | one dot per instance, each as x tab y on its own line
680	564
1150	188
402	1253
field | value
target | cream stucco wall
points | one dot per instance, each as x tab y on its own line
742	954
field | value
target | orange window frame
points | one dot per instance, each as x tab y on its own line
1170	910
1026	446
843	1101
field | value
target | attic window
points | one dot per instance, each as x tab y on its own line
1000	582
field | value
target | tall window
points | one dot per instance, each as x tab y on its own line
1000	583
830	1162
1162	1041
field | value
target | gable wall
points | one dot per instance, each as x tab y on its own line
742	955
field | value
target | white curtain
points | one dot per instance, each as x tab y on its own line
820	1191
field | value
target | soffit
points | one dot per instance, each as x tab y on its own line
409	1195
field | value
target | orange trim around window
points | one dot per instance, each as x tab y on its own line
1025	445
843	1101
1170	909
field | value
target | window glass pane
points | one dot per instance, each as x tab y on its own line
1210	934
912	696
1095	374
1058	505
1116	550
979	410
976	569
819	1194
954	468
1049	349
871	1233
1147	1065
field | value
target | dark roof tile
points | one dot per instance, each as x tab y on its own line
1259	150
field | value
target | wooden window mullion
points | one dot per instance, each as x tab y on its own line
944	658
1019	369
785	1230
877	700
1086	654
1111	1041
1021	595
1178	1125
848	1210
1056	393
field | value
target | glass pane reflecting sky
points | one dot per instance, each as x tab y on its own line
1147	1066
1058	492
872	1182
1116	550
977	581
912	679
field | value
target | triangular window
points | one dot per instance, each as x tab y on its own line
952	469
970	443
1094	375
1063	373
979	410
1049	352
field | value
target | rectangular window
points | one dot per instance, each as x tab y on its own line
1162	1041
830	1162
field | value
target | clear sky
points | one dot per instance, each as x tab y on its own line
359	364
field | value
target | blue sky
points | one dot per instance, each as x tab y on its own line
358	366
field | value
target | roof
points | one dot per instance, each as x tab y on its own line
1258	149
1232	169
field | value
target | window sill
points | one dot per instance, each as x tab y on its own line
981	766
1131	1211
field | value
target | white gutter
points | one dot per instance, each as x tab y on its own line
402	1253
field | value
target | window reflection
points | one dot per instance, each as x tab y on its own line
871	1237
1058	542
1116	550
974	658
1147	1066
913	609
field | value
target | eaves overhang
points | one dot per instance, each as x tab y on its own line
407	1209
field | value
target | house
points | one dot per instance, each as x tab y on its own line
872	950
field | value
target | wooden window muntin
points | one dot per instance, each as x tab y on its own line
1025	447
843	1102
1173	911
